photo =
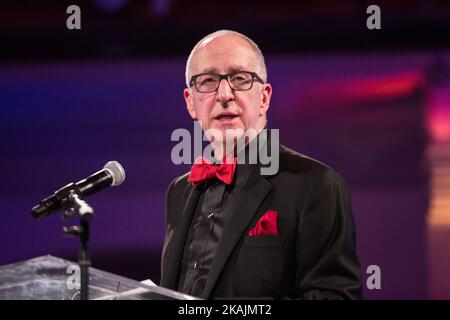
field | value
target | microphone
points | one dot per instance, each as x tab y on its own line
112	174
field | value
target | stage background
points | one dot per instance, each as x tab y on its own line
375	107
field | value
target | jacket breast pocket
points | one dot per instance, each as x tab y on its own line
260	265
262	241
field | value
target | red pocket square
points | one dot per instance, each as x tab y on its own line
267	225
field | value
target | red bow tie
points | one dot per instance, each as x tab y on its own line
203	170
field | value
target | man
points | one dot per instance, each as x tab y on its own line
233	232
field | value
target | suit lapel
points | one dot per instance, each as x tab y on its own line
175	246
245	207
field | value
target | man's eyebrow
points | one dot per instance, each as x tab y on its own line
210	70
236	68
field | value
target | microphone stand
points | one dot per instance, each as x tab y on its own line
79	207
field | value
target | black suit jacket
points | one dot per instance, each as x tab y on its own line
312	257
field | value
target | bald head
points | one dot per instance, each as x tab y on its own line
223	39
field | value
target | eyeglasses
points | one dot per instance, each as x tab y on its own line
238	80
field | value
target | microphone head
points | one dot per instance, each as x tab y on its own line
117	172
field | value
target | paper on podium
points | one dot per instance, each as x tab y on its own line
132	292
148	282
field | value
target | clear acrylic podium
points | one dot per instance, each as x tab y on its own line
52	278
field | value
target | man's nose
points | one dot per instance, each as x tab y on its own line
224	92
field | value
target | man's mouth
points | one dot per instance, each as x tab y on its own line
226	117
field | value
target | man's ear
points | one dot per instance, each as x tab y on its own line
265	98
187	94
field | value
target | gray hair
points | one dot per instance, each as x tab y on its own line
252	44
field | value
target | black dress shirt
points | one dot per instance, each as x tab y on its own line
211	216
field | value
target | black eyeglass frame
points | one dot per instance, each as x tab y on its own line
225	76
